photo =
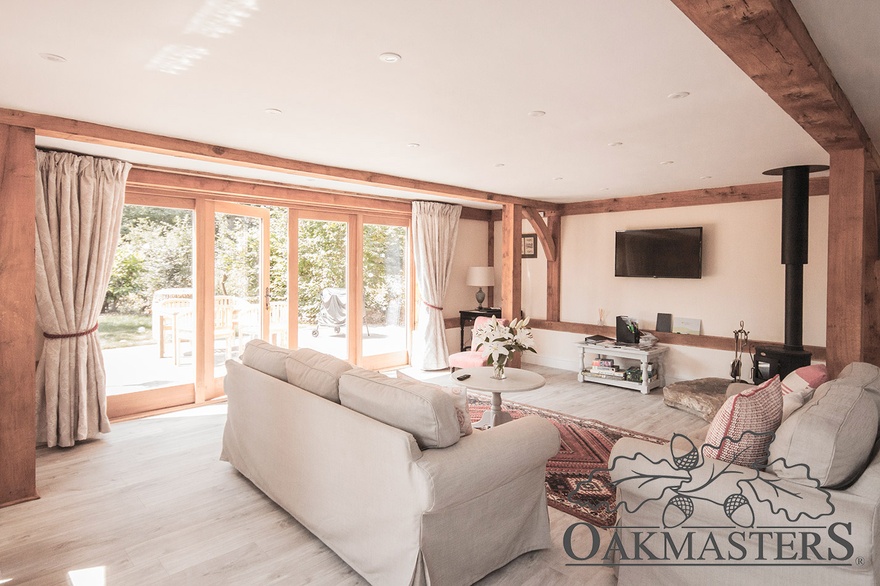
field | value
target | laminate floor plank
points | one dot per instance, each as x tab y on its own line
151	503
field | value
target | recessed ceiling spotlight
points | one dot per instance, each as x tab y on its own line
605	189
499	164
273	111
413	145
389	57
53	57
557	179
537	113
678	95
615	144
706	177
666	162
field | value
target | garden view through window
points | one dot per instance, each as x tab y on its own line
148	322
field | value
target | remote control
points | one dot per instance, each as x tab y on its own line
463	377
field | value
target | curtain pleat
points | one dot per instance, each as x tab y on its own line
79	202
435	230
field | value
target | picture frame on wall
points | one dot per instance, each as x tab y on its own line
530	246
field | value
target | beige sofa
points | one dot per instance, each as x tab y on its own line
396	511
811	517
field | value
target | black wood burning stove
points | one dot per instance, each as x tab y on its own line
769	361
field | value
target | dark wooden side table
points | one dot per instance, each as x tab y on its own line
468	316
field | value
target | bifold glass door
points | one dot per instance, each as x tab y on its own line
150	297
194	280
323	306
385	269
241	301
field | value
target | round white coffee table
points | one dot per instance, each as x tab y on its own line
480	379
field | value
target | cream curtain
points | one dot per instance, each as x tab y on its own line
79	210
435	229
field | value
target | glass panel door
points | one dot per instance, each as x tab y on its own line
385	264
322	288
149	294
241	270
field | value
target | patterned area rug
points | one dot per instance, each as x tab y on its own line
585	447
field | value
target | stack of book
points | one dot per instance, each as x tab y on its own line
605	368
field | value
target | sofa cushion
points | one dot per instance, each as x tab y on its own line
459	399
832	435
862	374
316	372
798	387
811	376
266	358
422	410
743	428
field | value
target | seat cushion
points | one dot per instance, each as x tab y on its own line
316	372
743	428
466	359
422	410
832	435
266	358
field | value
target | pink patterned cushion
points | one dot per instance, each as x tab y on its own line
467	359
756	410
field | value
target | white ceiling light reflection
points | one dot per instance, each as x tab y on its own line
220	17
88	577
175	59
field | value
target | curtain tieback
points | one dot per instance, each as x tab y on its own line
91	330
432	306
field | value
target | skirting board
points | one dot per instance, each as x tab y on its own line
573	365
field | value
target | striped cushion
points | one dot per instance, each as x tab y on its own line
798	387
744	426
807	376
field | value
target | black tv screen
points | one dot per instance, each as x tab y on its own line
674	253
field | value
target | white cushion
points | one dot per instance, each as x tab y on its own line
832	435
863	375
459	398
316	372
266	358
422	410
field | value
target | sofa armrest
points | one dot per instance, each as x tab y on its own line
485	460
771	500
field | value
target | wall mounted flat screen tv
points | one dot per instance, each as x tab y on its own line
675	253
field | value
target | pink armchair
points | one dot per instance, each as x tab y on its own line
472	357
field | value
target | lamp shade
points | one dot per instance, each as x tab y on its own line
480	277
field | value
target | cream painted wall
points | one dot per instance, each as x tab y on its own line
743	279
471	249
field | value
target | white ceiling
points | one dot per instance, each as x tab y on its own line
469	75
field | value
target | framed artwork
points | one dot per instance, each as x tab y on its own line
530	246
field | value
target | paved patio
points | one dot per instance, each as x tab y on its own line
139	368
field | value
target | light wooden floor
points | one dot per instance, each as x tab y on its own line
151	503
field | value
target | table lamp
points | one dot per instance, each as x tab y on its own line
480	277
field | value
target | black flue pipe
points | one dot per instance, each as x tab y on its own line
795	230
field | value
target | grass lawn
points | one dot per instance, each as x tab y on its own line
121	330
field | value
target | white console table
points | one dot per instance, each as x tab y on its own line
653	356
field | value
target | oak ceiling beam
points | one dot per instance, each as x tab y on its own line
768	40
694	197
204	185
88	132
